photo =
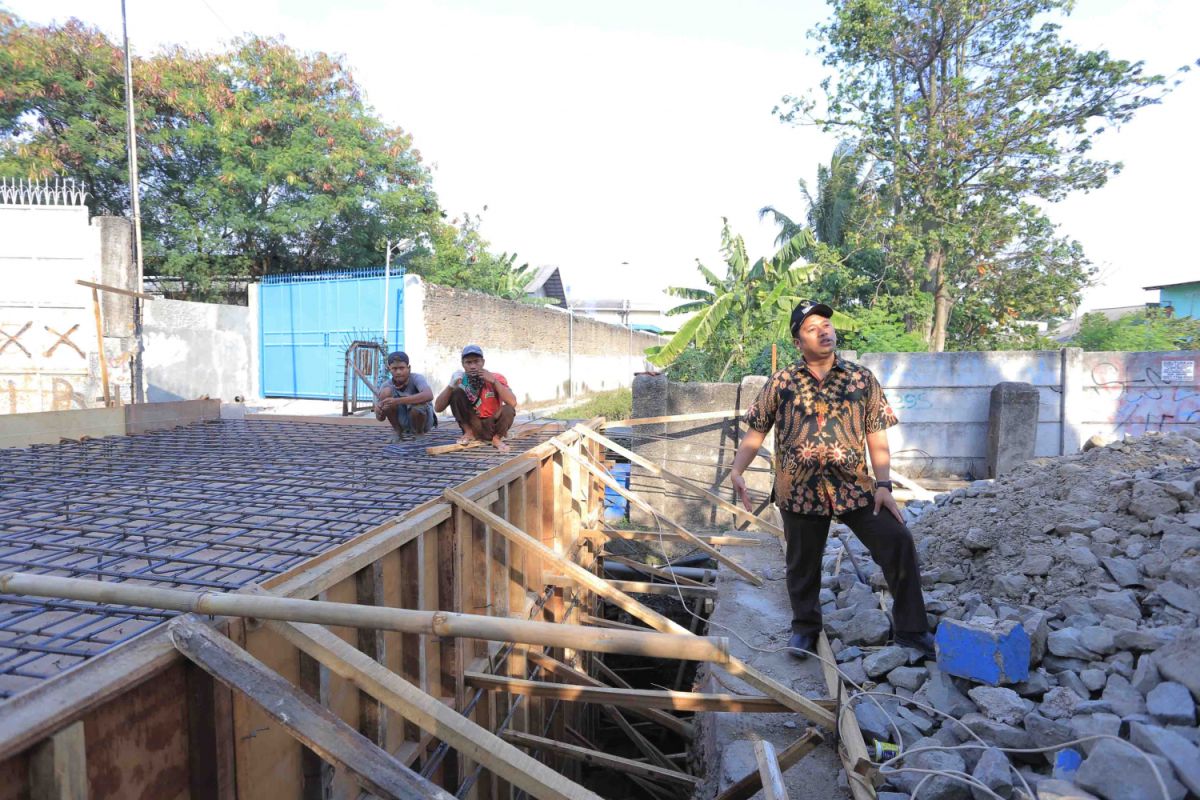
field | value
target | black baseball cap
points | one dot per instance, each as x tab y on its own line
398	355
804	309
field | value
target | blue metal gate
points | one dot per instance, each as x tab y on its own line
307	321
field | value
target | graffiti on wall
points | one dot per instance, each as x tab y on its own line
1147	392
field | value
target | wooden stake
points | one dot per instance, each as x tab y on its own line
853	750
572	675
717	500
58	766
654	536
600	759
805	706
749	786
430	714
635	698
313	724
428	623
100	345
696	417
768	765
690	537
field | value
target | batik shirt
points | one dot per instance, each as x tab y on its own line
820	435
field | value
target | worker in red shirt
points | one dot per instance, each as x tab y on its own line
482	404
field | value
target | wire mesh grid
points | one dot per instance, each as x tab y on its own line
208	507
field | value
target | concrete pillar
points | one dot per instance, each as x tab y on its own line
116	269
1072	410
649	400
1012	426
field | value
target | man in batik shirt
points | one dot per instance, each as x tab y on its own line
826	411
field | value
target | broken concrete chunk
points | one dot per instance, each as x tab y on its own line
945	696
911	678
1070	680
1055	789
1145	676
1059	703
1180	597
1179	661
981	538
998	703
873	721
1068	643
994	772
1116	771
1082	557
1100	724
1123	570
1145	638
1120	604
1036	565
884	661
941	787
1182	754
1098	639
1037	684
1013	586
1094	679
991	652
1171	704
1047	733
869	627
1124	699
999	734
1151	500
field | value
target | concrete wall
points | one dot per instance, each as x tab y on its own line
545	353
942	400
46	244
49	427
200	350
699	451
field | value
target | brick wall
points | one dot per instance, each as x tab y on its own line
540	350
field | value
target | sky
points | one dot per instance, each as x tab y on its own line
611	138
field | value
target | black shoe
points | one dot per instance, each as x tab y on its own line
921	642
801	644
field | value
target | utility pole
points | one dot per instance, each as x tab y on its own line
399	248
138	395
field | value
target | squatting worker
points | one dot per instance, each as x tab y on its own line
404	398
482	404
824	409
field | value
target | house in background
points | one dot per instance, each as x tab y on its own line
641	315
1182	299
548	283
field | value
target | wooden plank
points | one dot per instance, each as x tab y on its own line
713	498
310	722
919	491
635	698
572	675
100	345
750	785
599	759
786	695
210	737
410	596
58	766
600	534
431	715
768	768
634	498
696	417
102	287
369	592
853	749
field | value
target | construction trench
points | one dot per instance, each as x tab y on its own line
468	640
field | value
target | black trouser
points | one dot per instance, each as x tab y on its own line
891	546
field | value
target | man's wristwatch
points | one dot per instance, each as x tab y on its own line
883	485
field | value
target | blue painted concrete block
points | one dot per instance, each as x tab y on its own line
1066	764
983	650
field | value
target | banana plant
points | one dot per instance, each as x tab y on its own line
751	301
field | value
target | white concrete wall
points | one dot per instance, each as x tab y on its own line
196	350
44	249
547	354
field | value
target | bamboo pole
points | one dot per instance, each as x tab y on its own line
428	623
691	538
601	759
696	417
717	500
750	785
804	706
853	749
100	344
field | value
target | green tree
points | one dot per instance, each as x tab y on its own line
968	109
735	315
1142	330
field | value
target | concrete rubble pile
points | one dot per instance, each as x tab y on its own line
1091	563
